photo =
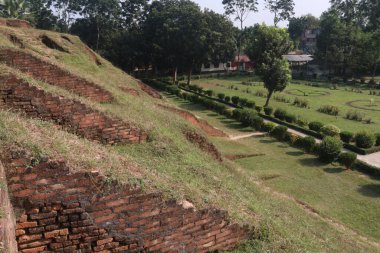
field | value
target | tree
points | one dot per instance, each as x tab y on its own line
372	51
267	47
282	9
13	8
41	15
297	26
241	9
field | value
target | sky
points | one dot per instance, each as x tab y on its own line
302	7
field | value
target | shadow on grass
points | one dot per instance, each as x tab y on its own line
312	162
334	170
296	153
370	190
268	141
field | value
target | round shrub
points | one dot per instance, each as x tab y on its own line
235	100
258	108
346	136
307	143
377	139
291	138
227	99
221	96
243	102
257	122
364	140
268	127
347	159
330	130
290	118
280	114
250	104
268	111
209	93
236	114
315	126
302	122
279	132
329	149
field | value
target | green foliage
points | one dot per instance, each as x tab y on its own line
240	9
290	118
250	104
303	103
235	100
258	108
268	110
346	136
227	99
330	130
355	115
365	140
329	149
329	109
268	127
315	126
221	96
377	139
307	143
282	9
13	8
279	132
347	159
280	114
209	93
243	102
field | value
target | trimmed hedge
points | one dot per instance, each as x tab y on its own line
307	143
347	159
268	127
365	140
315	126
330	130
268	111
346	136
279	132
329	149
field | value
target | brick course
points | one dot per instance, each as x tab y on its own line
108	217
15	23
72	115
52	74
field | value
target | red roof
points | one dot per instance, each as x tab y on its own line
242	58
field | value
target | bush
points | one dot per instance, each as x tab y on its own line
235	100
209	93
364	140
268	111
250	118
301	103
346	136
243	102
355	115
221	96
315	126
227	99
280	114
236	114
329	149
250	104
258	108
330	130
291	138
347	159
302	122
279	132
290	118
257	122
307	143
268	127
377	139
329	109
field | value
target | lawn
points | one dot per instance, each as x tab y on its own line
343	97
348	197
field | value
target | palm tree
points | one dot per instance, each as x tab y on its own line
13	8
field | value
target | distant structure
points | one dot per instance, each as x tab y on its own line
309	40
240	62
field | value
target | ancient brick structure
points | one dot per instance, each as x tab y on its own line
59	211
149	90
72	115
15	23
203	144
52	74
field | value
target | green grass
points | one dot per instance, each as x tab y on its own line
339	98
171	164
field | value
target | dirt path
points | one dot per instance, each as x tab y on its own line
239	137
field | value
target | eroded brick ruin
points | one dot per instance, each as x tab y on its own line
53	75
59	211
72	115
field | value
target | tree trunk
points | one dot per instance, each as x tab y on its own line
268	98
189	77
175	75
98	36
275	19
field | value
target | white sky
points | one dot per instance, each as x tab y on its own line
302	7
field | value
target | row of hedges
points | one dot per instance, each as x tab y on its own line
365	143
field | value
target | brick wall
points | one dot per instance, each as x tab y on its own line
59	211
72	115
8	242
49	73
203	144
15	23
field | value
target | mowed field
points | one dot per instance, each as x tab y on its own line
343	97
347	200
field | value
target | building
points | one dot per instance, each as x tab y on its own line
242	62
309	40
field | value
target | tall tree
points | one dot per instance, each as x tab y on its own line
41	14
298	25
282	9
13	8
267	47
